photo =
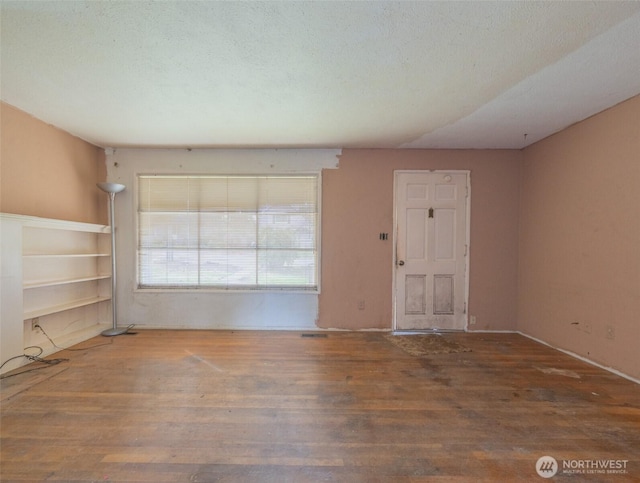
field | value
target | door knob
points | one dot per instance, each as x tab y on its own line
401	262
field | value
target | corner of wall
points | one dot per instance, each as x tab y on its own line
579	229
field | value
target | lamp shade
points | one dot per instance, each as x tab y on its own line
111	187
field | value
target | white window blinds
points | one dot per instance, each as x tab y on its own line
228	232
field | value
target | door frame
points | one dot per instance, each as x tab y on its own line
467	256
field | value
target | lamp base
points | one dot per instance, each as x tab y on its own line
115	331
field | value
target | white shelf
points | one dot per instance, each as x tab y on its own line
64	255
50	283
27	221
63	307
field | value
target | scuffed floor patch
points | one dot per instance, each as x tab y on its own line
558	372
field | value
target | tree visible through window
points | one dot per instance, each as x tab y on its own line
228	232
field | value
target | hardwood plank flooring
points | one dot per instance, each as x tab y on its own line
229	406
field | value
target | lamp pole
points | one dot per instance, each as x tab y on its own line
111	189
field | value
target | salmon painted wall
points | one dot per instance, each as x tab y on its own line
579	272
47	172
357	205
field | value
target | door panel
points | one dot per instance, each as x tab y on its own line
443	295
415	293
431	238
445	234
416	234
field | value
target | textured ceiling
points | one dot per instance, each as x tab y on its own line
317	74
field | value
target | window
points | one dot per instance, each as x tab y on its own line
228	232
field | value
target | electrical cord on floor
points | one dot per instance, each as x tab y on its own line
32	358
47	362
38	326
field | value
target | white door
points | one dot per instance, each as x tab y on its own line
431	209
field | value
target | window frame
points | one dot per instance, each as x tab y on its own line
229	289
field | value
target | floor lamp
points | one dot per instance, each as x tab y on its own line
111	189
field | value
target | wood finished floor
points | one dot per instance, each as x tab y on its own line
198	406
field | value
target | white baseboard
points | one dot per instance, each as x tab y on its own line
569	353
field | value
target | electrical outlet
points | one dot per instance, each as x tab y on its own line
611	332
35	321
361	305
472	320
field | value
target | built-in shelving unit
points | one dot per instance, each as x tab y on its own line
57	274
